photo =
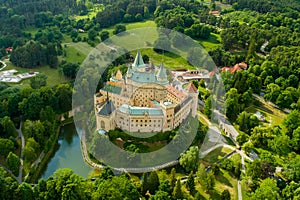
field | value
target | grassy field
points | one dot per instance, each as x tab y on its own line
54	75
92	12
76	52
216	155
212	43
224	181
271	116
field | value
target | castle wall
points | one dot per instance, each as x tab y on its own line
141	123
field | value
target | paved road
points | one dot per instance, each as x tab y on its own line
19	178
240	195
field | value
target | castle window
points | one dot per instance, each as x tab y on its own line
102	125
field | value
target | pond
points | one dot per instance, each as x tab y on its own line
68	155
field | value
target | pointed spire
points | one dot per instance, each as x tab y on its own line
119	75
162	72
138	61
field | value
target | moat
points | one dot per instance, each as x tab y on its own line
68	154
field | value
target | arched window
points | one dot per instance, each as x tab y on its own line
102	125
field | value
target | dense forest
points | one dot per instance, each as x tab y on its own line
263	33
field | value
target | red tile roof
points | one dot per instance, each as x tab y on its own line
176	92
191	88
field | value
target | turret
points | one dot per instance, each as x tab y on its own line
192	91
138	63
162	75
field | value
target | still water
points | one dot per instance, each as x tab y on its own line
68	155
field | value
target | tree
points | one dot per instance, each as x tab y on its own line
70	69
207	107
177	192
225	195
92	34
24	191
280	144
189	160
247	121
272	92
8	126
160	195
32	106
104	35
291	191
153	182
242	138
285	99
293	168
6	146
119	187
31	150
295	141
207	180
232	104
173	178
13	104
119	28
190	183
64	96
267	190
292	121
38	81
145	184
13	163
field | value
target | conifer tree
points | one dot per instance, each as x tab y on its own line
177	193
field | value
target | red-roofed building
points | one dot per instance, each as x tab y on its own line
215	13
175	92
237	67
8	49
212	73
191	88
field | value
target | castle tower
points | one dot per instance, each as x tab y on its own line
119	75
162	75
129	72
192	91
138	64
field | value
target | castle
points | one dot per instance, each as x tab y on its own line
143	100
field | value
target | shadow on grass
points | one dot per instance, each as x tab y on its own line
213	39
214	156
214	194
222	179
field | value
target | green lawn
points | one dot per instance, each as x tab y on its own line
224	181
212	43
76	52
92	12
273	117
216	155
54	75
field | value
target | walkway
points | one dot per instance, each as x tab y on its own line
19	178
131	170
4	65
